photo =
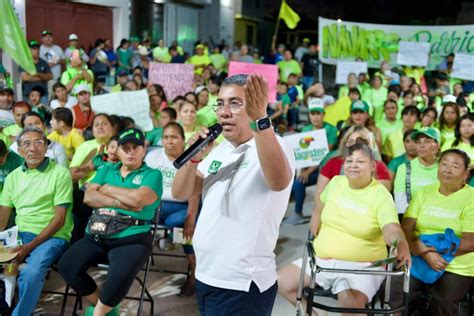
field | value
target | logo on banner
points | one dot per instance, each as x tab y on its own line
306	141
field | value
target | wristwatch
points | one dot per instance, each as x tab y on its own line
261	124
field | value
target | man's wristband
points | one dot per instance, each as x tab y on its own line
116	203
195	161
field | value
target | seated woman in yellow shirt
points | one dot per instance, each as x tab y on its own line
448	203
353	222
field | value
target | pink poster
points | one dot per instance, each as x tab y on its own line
269	72
176	79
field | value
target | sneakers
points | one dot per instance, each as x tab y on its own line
294	219
113	312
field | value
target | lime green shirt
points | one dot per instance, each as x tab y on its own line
331	132
161	54
218	61
288	67
388	128
12	130
393	145
144	176
206	116
71	73
80	156
376	98
467	148
447	135
197	60
435	212
34	193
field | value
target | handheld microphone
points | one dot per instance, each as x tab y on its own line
214	132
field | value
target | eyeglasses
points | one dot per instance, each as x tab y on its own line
234	105
27	144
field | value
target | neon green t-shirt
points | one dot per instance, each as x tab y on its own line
206	116
447	135
352	221
35	192
388	128
435	212
199	60
288	67
338	111
12	130
71	73
80	156
331	132
218	61
144	176
161	54
376	98
467	148
420	177
393	145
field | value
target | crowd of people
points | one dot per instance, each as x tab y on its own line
401	144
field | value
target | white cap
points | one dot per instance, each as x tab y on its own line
73	37
449	98
81	88
316	104
199	89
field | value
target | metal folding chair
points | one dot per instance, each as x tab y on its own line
309	292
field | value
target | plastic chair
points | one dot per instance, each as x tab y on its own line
310	292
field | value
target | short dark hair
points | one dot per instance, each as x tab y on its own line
64	115
411	109
239	80
389	101
408	133
3	148
430	109
171	112
460	153
354	90
21	104
360	144
28	114
175	125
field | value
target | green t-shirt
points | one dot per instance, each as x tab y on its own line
376	99
143	176
387	128
288	67
393	145
447	135
420	177
124	56
206	116
13	161
35	192
161	54
71	73
218	61
435	212
154	137
331	132
197	60
394	163
12	130
80	155
467	148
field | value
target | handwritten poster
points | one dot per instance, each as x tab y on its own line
176	79
413	54
134	104
269	72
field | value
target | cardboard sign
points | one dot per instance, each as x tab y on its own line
134	104
176	79
463	67
269	72
309	147
413	54
344	68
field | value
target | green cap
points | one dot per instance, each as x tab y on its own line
199	46
428	132
306	40
134	39
359	105
46	32
316	104
33	44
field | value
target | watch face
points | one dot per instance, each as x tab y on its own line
264	124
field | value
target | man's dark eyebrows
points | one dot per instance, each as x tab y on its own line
231	99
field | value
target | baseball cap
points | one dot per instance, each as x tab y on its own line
426	131
199	89
305	40
132	135
199	46
316	104
448	98
73	37
142	50
134	39
6	89
81	88
359	105
46	32
122	73
33	44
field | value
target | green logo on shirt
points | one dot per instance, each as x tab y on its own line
214	167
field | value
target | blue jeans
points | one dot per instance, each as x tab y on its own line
32	276
214	301
292	117
173	214
299	190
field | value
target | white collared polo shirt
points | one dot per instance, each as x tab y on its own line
239	222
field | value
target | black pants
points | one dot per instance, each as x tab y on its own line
445	293
125	257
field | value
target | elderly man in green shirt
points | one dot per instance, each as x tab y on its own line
41	192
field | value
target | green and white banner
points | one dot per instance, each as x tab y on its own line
374	43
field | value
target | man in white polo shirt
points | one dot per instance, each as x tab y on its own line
245	183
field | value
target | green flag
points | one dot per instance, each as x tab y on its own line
12	38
